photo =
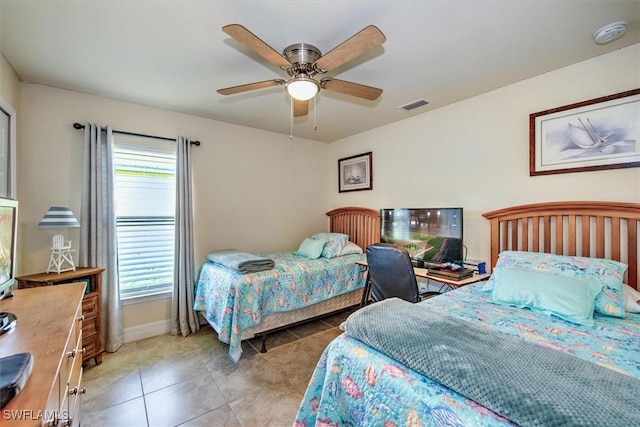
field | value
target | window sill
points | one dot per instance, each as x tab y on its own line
145	298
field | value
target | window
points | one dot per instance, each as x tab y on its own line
145	214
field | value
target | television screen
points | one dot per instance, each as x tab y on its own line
430	235
8	231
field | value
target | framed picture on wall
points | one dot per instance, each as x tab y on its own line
7	150
601	133
355	173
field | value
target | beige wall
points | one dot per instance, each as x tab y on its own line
253	190
9	84
475	153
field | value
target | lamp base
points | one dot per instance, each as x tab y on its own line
61	260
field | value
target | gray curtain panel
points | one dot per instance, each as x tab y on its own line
183	317
98	244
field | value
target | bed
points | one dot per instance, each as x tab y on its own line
243	306
356	383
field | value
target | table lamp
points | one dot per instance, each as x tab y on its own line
61	252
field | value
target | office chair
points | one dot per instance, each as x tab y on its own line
390	274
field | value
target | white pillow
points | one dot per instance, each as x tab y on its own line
351	248
631	299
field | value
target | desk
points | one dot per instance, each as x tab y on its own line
424	274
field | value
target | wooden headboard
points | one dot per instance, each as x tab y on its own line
590	229
361	224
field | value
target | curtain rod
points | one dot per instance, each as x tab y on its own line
81	126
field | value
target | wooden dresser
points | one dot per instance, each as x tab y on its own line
49	326
91	304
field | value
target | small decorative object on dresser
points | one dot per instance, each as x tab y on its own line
61	252
91	303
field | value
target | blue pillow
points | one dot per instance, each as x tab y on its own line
609	302
334	243
310	248
570	298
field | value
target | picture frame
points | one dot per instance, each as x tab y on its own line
355	173
601	133
7	150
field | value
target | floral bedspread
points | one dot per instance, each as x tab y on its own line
232	302
354	384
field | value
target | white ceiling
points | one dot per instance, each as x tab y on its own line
174	55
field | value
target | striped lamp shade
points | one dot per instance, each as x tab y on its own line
59	216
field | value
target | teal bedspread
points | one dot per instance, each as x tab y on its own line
232	302
527	383
354	384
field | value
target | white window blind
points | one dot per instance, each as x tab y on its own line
145	214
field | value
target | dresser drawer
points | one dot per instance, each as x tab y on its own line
74	392
90	305
90	344
90	326
72	355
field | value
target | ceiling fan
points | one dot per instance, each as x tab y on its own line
303	61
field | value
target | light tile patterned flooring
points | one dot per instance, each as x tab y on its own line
177	381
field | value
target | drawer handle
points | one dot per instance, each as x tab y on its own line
72	353
73	391
81	318
83	391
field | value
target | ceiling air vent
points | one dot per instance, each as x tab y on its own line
415	104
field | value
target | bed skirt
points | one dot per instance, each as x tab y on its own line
278	320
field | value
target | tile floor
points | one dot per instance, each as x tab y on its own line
177	381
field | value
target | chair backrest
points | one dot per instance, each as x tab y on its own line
58	241
391	273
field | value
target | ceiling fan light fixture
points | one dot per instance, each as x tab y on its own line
302	87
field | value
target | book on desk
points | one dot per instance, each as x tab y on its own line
460	274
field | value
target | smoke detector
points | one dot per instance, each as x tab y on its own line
610	32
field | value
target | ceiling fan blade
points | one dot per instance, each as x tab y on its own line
300	108
365	40
251	86
350	88
250	40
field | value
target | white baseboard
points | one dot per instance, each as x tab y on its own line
147	330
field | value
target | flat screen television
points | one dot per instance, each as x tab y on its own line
8	238
430	235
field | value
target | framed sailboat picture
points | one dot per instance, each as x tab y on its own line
355	173
602	133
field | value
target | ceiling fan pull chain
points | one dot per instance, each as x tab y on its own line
315	128
291	132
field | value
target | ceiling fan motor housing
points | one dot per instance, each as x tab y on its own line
302	57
